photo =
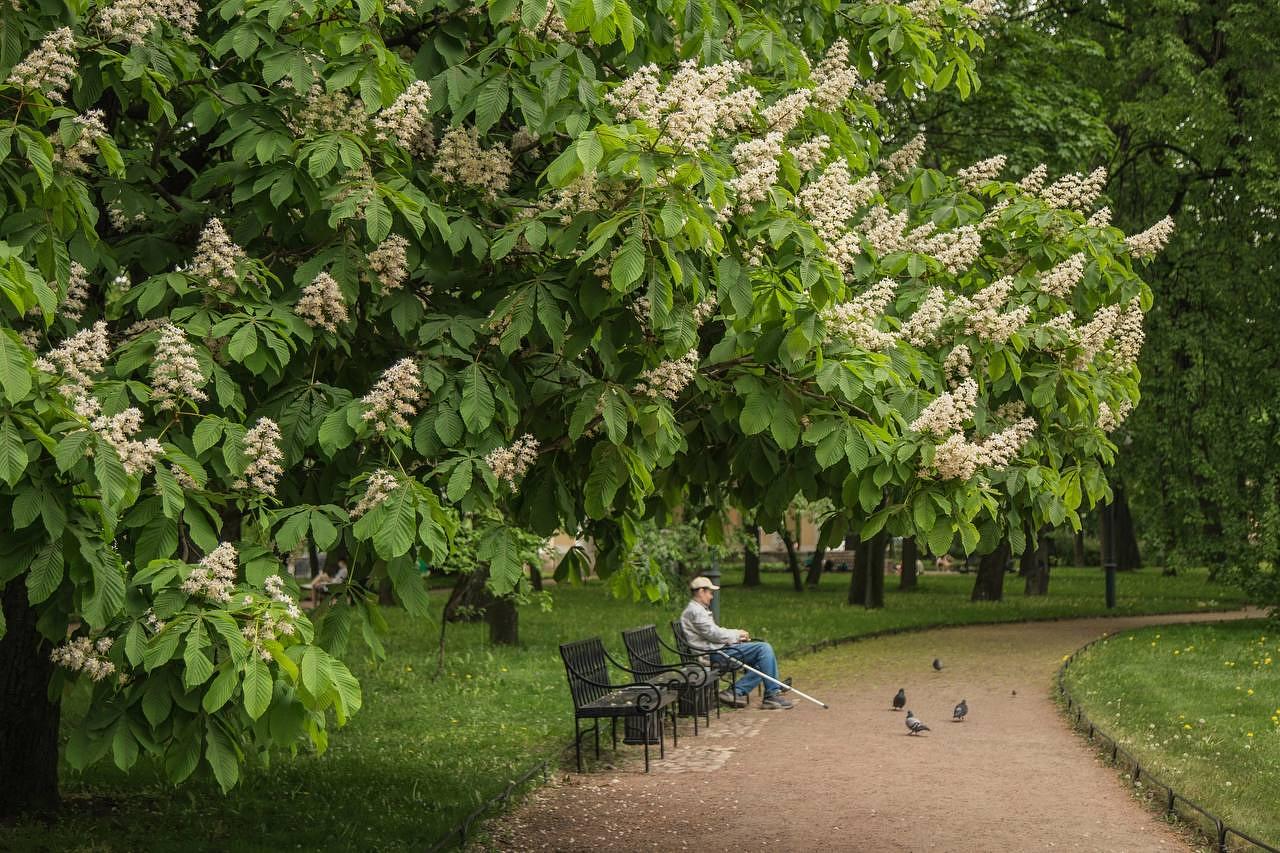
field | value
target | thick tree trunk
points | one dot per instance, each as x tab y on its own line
910	554
504	621
815	567
989	584
1036	563
875	570
29	732
858	577
535	578
793	560
751	561
1077	549
313	558
1128	556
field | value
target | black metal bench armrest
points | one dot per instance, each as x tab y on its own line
580	677
650	698
679	675
695	674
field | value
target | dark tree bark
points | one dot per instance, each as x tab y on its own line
909	579
989	584
1128	556
793	560
313	558
469	598
1077	549
504	621
751	560
875	569
535	578
815	566
1035	561
29	731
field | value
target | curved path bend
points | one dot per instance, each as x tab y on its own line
1012	777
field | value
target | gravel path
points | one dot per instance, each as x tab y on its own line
1012	777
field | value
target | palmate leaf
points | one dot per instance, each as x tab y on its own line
257	687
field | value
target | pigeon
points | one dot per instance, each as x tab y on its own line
1015	693
900	700
915	725
937	664
957	715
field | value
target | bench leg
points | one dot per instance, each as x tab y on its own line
662	732
613	730
596	731
577	743
646	753
675	720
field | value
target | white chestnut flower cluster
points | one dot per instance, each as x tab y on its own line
693	108
137	457
389	262
1062	279
983	313
80	357
949	411
49	68
957	365
216	257
831	199
1034	180
394	398
956	250
1109	419
855	321
407	122
1101	218
131	21
991	218
982	172
509	464
756	161
785	113
922	327
89	128
185	480
153	622
925	10
669	378
262	458
808	155
704	310
1147	243
1011	411
215	575
1127	336
982	8
175	371
552	27
835	78
380	486
956	458
85	655
268	626
75	300
321	305
460	160
328	112
883	230
274	587
1075	191
900	163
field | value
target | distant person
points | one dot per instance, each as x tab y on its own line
706	637
321	582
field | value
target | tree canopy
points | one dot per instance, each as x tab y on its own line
345	271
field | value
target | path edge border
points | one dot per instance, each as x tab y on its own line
1073	710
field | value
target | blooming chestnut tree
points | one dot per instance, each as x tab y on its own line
346	272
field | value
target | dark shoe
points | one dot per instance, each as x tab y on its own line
786	681
774	702
733	700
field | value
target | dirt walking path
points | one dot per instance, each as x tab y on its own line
1012	777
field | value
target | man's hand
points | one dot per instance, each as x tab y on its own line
743	636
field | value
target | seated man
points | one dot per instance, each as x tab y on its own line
704	635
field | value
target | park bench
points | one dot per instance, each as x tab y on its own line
722	666
641	703
644	651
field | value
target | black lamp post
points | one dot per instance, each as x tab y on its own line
1109	562
713	573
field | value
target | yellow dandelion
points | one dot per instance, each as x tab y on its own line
1186	725
1175	651
1248	734
1250	691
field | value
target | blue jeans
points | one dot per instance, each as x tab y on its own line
757	654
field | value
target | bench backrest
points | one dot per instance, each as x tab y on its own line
643	649
687	654
584	659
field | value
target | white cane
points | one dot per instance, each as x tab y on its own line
770	678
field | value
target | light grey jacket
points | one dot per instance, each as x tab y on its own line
701	630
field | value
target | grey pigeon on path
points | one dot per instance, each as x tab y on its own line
937	664
915	725
900	700
958	714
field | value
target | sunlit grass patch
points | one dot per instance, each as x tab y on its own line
1198	706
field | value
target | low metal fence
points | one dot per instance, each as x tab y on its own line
1226	838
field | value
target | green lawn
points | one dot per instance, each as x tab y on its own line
423	754
1198	706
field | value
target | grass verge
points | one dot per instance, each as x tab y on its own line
1199	707
423	754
